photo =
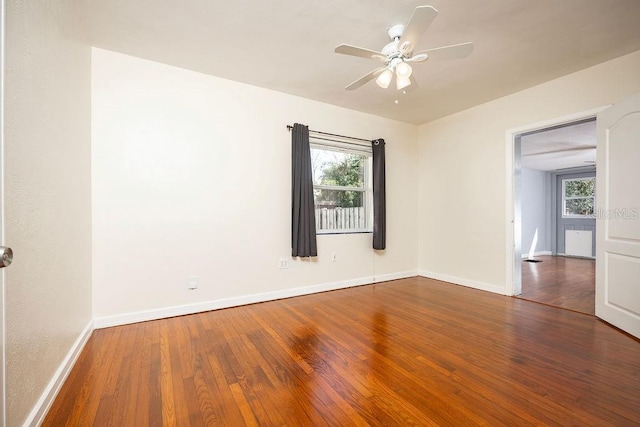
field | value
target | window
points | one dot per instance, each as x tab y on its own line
342	188
578	197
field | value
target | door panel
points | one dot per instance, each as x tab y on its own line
626	157
618	216
623	270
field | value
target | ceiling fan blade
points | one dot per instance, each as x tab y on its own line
347	49
455	51
404	47
418	24
365	79
418	57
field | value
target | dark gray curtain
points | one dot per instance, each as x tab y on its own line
379	196
303	220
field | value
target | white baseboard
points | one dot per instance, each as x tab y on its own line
535	254
464	282
394	276
180	310
50	392
576	256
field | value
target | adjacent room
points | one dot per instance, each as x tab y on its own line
557	203
319	213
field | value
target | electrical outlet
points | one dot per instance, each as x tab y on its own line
284	264
192	283
334	256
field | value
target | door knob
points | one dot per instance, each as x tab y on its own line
6	256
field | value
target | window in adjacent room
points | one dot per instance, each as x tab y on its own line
341	187
578	197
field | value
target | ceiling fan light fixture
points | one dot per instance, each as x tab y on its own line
402	82
399	52
384	79
403	70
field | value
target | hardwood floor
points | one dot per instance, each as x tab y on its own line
407	352
563	282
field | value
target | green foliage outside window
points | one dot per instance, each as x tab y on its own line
579	195
580	188
347	172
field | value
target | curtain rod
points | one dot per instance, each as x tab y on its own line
334	134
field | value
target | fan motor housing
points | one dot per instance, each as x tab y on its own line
395	31
391	49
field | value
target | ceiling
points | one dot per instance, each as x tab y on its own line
561	148
287	45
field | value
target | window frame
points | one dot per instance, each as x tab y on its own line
565	198
367	189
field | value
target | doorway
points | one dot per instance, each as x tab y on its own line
554	207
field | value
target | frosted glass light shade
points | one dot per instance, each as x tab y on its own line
403	70
384	78
402	82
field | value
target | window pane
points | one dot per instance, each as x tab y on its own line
345	206
340	210
337	198
337	168
580	187
579	206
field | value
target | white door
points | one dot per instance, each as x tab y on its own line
618	216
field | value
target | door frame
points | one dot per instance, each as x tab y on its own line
3	418
513	261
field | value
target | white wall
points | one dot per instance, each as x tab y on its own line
191	176
463	158
47	196
535	204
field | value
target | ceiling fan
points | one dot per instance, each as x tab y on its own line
398	53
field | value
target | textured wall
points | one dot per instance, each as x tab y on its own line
191	176
47	195
463	169
536	204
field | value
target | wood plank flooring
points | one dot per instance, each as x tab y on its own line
407	352
563	282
